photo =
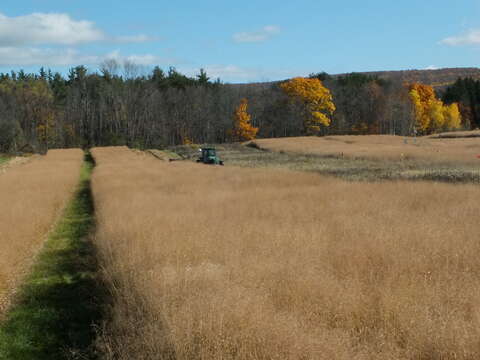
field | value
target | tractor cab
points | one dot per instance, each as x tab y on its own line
209	156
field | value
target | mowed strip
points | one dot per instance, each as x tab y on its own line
208	262
31	198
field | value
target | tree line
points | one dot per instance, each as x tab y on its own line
465	92
119	105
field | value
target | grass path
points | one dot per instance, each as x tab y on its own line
58	305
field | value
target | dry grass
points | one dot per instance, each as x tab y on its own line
457	150
229	263
353	169
457	134
32	195
7	163
164	155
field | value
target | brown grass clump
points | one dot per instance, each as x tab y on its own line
434	149
31	197
212	262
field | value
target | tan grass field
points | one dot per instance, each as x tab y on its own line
457	150
15	161
233	263
32	196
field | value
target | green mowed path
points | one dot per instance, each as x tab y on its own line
55	311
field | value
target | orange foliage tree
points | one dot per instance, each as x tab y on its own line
242	127
430	113
316	99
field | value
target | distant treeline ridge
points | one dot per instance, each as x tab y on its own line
118	106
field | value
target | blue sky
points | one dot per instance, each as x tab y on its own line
241	41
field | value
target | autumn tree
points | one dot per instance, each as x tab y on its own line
242	127
422	97
316	101
431	114
453	118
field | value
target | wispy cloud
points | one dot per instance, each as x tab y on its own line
257	36
34	56
471	37
140	59
133	38
239	74
31	56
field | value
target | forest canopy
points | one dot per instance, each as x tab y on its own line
120	105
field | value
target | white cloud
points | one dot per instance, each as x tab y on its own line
54	29
38	28
432	67
257	36
41	39
471	37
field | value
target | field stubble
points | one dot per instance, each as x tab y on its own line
228	263
31	198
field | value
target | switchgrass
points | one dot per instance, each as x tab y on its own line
208	262
8	161
457	134
454	149
346	167
32	196
56	307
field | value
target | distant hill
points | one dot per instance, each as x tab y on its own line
439	78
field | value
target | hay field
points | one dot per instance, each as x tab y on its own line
432	149
344	167
231	263
32	196
7	162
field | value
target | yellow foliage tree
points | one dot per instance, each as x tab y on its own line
430	113
316	98
422	96
242	127
453	119
436	114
